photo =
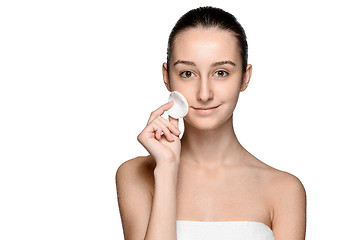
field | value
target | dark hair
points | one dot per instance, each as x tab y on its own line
209	17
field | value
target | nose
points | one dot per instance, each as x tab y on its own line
205	92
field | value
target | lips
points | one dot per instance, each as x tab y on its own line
205	111
207	108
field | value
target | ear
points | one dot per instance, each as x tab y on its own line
166	76
246	77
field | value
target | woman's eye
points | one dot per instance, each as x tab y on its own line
187	74
221	73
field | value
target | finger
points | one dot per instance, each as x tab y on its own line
160	110
157	127
158	134
168	135
170	126
174	121
156	130
164	125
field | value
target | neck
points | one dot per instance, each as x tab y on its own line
210	147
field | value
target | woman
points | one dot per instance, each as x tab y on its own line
206	185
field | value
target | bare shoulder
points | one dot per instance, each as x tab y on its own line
288	201
134	184
284	183
141	166
278	180
137	171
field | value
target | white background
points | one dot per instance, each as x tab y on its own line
80	78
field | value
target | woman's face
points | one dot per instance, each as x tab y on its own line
206	68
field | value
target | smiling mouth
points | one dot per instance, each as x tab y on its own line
209	108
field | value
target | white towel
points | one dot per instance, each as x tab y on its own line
223	230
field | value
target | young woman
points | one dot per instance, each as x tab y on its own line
206	185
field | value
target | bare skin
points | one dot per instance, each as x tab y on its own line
218	179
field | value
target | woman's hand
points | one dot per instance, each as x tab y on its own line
164	148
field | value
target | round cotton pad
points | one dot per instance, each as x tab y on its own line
180	108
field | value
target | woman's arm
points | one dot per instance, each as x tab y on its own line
134	198
162	222
289	221
145	216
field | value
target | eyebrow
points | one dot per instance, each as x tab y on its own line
223	63
212	65
184	62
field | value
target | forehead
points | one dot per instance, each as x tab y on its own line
205	45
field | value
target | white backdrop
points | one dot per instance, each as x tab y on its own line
80	78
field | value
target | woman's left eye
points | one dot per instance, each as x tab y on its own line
221	73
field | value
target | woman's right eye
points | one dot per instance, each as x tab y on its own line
187	74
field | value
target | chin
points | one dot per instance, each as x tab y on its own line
207	123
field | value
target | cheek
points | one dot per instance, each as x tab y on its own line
174	82
187	92
186	88
228	92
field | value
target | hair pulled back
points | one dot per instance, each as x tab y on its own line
210	17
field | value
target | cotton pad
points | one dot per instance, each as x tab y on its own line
180	108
